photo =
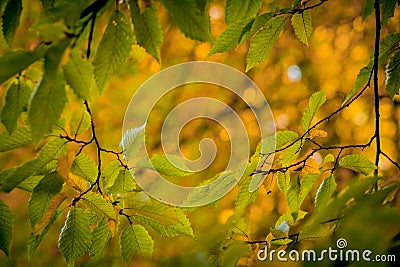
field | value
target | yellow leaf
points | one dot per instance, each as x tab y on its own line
311	167
255	247
64	163
269	238
63	166
112	225
269	182
317	133
282	247
76	182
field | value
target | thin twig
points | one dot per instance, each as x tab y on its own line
90	38
96	141
392	161
375	81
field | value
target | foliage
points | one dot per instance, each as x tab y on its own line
50	90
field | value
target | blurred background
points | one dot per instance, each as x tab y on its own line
340	45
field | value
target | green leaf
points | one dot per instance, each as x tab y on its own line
114	48
298	190
356	190
42	195
35	240
52	150
99	205
295	3
292	195
75	237
147	28
275	142
325	190
392	82
362	78
212	191
110	173
69	12
49	31
237	10
6	228
2	3
11	15
135	240
263	42
245	32
234	252
20	137
47	4
132	141
79	74
302	25
316	101
284	137
358	163
280	242
85	167
29	184
165	215
387	46
228	39
79	123
252	165
291	153
256	181
368	9
15	61
183	226
306	183
244	198
123	183
51	211
190	19
283	181
47	104
254	26
169	222
15	103
328	158
101	234
388	7
287	216
169	165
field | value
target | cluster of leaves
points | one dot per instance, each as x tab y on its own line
289	156
63	179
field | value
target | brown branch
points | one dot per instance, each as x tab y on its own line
391	160
96	141
300	10
375	81
90	38
117	154
302	163
121	212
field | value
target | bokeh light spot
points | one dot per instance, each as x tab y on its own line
294	73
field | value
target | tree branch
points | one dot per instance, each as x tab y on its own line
376	85
392	161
